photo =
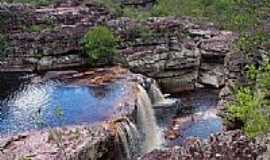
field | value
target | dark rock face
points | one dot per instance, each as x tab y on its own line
226	146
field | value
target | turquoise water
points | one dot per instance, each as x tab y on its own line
53	104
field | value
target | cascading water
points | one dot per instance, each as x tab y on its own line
152	137
155	94
129	137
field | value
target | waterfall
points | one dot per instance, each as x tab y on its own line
155	94
129	137
152	137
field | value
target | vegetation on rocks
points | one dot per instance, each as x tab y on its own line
227	13
251	105
100	45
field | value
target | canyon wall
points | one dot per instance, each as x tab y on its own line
180	53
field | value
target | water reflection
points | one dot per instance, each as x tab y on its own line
199	119
55	104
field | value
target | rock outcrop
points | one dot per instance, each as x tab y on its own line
180	53
226	146
46	38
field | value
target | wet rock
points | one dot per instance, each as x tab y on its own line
224	146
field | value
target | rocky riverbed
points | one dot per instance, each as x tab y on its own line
224	146
182	56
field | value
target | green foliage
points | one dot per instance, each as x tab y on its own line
122	11
112	6
25	158
100	44
229	14
140	32
263	77
249	43
237	15
135	13
33	2
177	8
251	105
37	28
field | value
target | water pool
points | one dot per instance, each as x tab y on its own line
52	104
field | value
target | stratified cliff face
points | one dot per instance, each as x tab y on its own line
177	52
46	38
180	53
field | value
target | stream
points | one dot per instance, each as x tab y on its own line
197	119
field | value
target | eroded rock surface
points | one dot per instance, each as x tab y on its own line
226	146
93	141
47	38
80	142
178	52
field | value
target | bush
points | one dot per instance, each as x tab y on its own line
100	45
251	105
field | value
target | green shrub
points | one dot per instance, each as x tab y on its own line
100	44
249	43
251	105
251	109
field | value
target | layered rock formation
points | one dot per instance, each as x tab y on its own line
178	52
46	38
